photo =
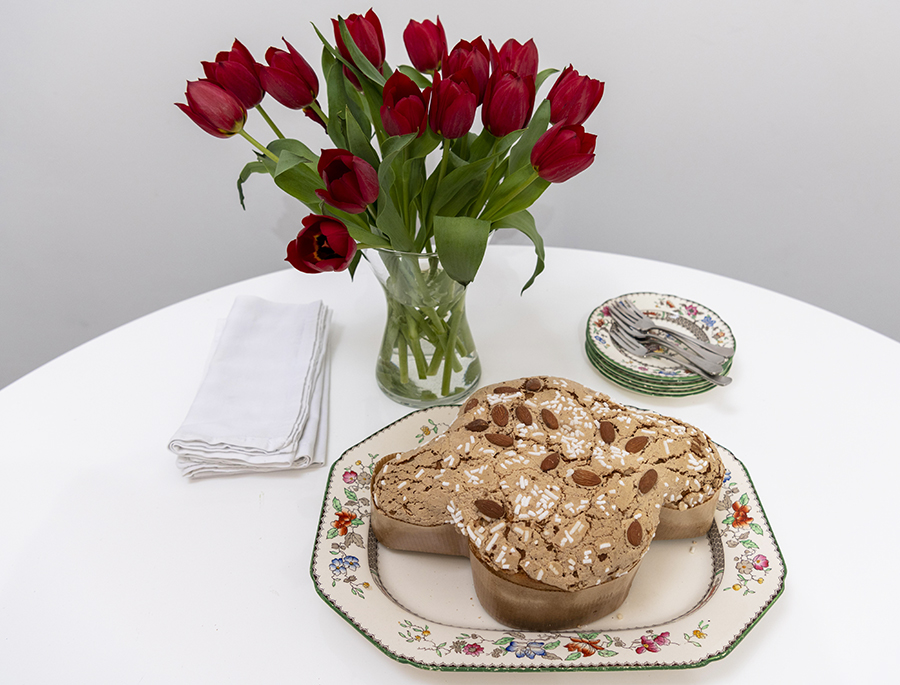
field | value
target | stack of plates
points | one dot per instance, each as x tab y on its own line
649	375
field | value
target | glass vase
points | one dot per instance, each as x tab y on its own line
427	355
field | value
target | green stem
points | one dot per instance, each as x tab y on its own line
510	196
268	153
318	110
449	356
269	121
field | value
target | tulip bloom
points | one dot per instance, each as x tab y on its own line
236	71
324	244
513	56
405	108
508	102
426	44
562	152
289	78
368	36
213	109
351	184
573	98
474	56
452	110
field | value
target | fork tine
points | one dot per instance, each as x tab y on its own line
619	307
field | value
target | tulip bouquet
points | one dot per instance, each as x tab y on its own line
381	190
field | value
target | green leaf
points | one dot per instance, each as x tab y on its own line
573	656
336	504
390	223
350	495
358	142
749	544
295	147
542	76
756	528
550	646
461	242
393	145
520	156
457	186
744	500
295	178
249	169
424	144
523	200
417	76
523	221
357	522
365	238
503	641
588	636
332	533
606	652
728	521
360	61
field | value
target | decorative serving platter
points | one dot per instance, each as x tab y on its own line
650	375
692	601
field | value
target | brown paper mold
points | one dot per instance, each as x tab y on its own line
554	492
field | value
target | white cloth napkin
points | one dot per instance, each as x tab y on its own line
263	403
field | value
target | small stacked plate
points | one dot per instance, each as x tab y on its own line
649	375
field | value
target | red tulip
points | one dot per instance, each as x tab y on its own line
426	44
453	102
508	102
405	108
236	71
368	36
476	57
351	184
324	244
562	152
289	78
513	56
573	97
213	109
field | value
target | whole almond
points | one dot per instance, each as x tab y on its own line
648	480
500	415
500	439
607	431
533	384
635	534
550	419
471	404
551	461
505	390
477	425
523	415
490	508
586	478
636	444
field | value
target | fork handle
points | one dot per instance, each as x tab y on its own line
717	379
697	346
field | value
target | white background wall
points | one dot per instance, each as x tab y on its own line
756	139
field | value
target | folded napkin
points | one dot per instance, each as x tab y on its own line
263	403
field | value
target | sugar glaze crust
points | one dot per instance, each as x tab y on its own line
554	485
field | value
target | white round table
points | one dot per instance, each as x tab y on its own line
114	568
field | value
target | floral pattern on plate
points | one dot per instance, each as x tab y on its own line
745	576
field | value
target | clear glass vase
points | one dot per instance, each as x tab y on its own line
427	354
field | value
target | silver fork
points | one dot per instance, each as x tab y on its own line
709	362
637	319
632	346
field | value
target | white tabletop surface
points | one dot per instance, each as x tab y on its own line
116	569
